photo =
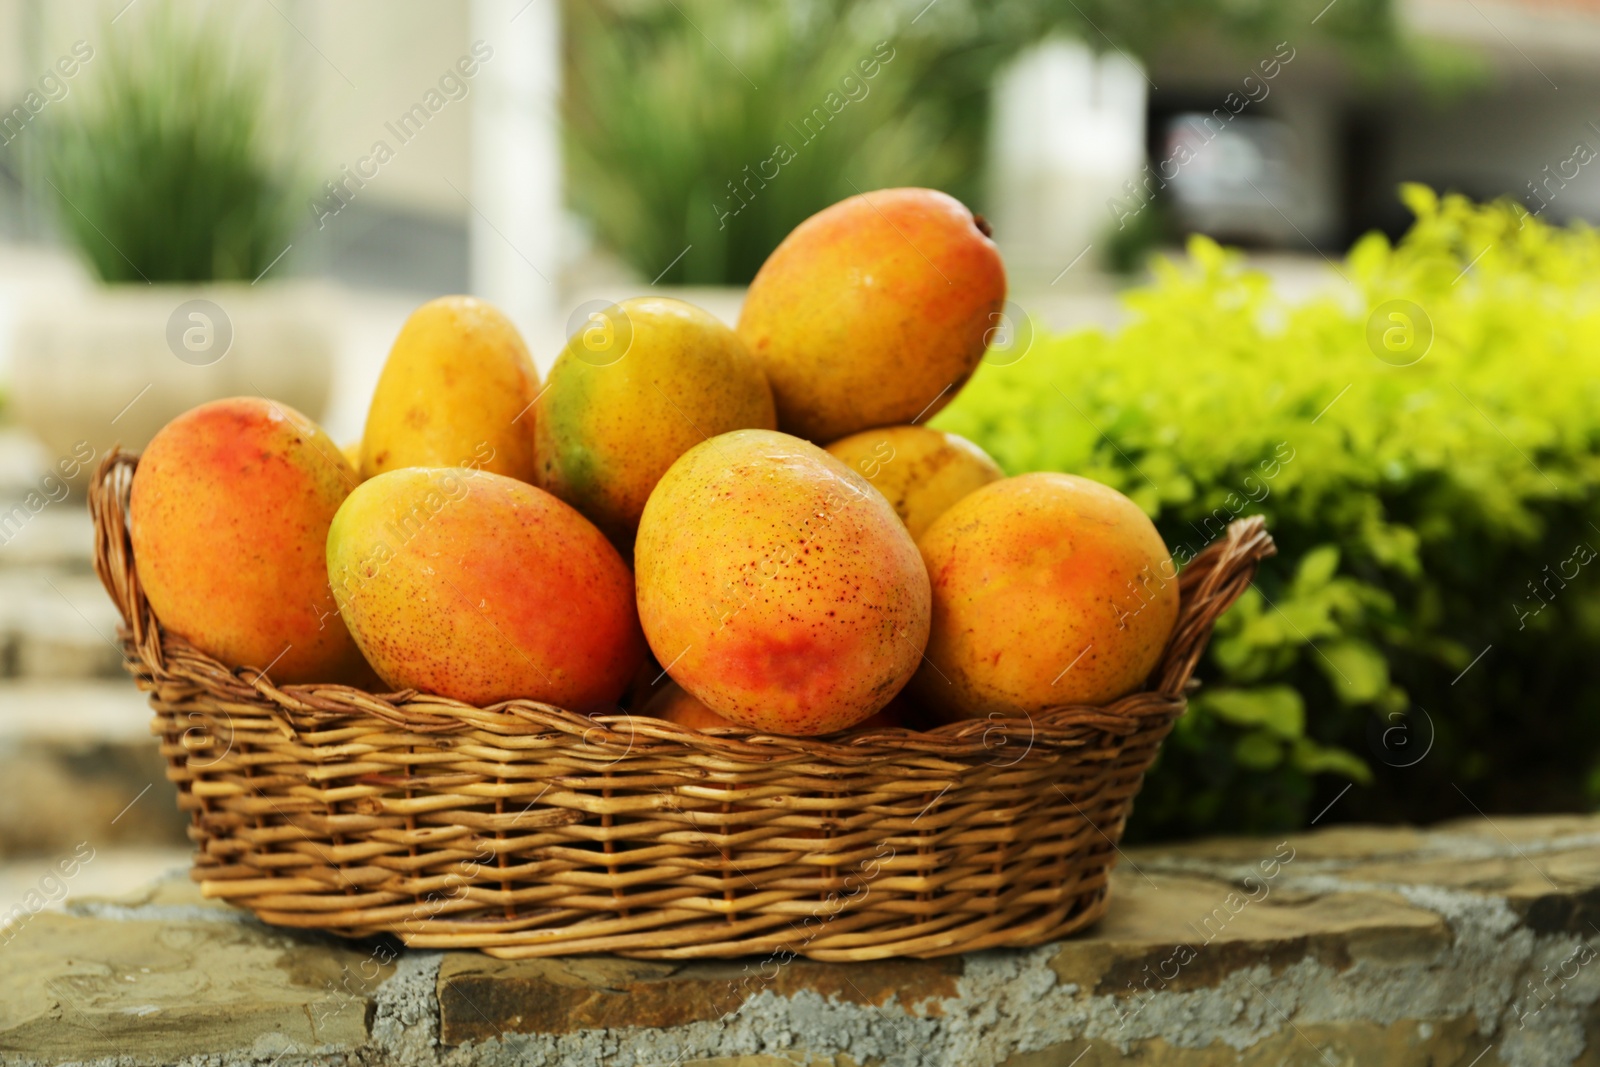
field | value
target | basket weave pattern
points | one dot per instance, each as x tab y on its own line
525	830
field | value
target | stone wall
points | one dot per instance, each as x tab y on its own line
1473	944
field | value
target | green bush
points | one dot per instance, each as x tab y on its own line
1430	627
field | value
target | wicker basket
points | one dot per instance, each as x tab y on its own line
526	830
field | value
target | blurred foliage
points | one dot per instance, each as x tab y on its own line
161	164
1428	513
669	102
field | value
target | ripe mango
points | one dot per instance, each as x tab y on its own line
351	451
921	471
629	395
1048	589
874	311
777	586
673	704
479	587
230	508
457	389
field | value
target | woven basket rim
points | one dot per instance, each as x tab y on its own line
1208	585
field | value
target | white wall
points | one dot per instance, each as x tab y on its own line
1068	129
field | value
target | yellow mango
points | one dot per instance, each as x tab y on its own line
483	588
1048	589
457	390
630	395
777	587
921	471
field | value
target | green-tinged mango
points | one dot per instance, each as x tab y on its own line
639	385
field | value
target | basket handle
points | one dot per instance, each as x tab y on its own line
113	555
1207	587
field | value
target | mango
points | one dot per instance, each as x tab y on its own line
921	471
632	393
777	586
675	705
482	588
1048	589
457	390
230	507
351	451
874	311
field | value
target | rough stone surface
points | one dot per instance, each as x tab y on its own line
164	977
1471	944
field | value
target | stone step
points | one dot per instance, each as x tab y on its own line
78	763
56	621
57	626
39	533
1470	944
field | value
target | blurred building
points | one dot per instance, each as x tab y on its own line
1291	150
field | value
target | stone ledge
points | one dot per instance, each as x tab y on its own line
1474	943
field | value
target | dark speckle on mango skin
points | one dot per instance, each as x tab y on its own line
873	311
783	591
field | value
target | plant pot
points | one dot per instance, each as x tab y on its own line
113	364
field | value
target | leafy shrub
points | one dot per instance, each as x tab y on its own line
1430	627
165	169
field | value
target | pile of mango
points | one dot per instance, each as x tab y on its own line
720	527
